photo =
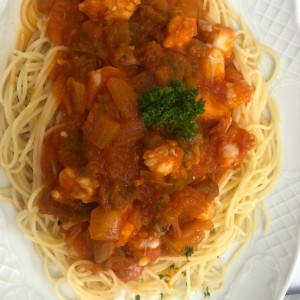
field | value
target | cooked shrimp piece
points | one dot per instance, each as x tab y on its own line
186	205
209	212
221	127
237	93
234	146
219	36
217	111
110	9
98	79
213	64
121	9
205	26
191	8
94	9
146	247
214	109
164	159
229	156
73	186
180	32
222	38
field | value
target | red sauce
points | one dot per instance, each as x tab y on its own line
116	206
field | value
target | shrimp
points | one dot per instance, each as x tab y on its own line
234	146
217	111
97	81
164	159
213	64
219	36
110	9
180	32
73	186
237	93
147	247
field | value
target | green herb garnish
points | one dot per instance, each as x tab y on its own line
173	108
159	204
161	276
206	293
188	251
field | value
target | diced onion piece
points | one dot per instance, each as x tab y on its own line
105	224
82	246
191	235
124	97
192	229
103	250
77	95
100	128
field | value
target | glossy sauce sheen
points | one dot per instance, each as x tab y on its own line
126	194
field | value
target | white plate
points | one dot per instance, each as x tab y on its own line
263	271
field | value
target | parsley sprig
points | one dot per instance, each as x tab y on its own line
173	108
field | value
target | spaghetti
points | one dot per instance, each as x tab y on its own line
30	112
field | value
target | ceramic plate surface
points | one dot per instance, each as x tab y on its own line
264	270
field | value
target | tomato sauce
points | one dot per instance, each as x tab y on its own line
127	194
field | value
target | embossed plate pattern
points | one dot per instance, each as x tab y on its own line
264	270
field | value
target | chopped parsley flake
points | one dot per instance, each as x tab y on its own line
188	251
206	293
161	276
